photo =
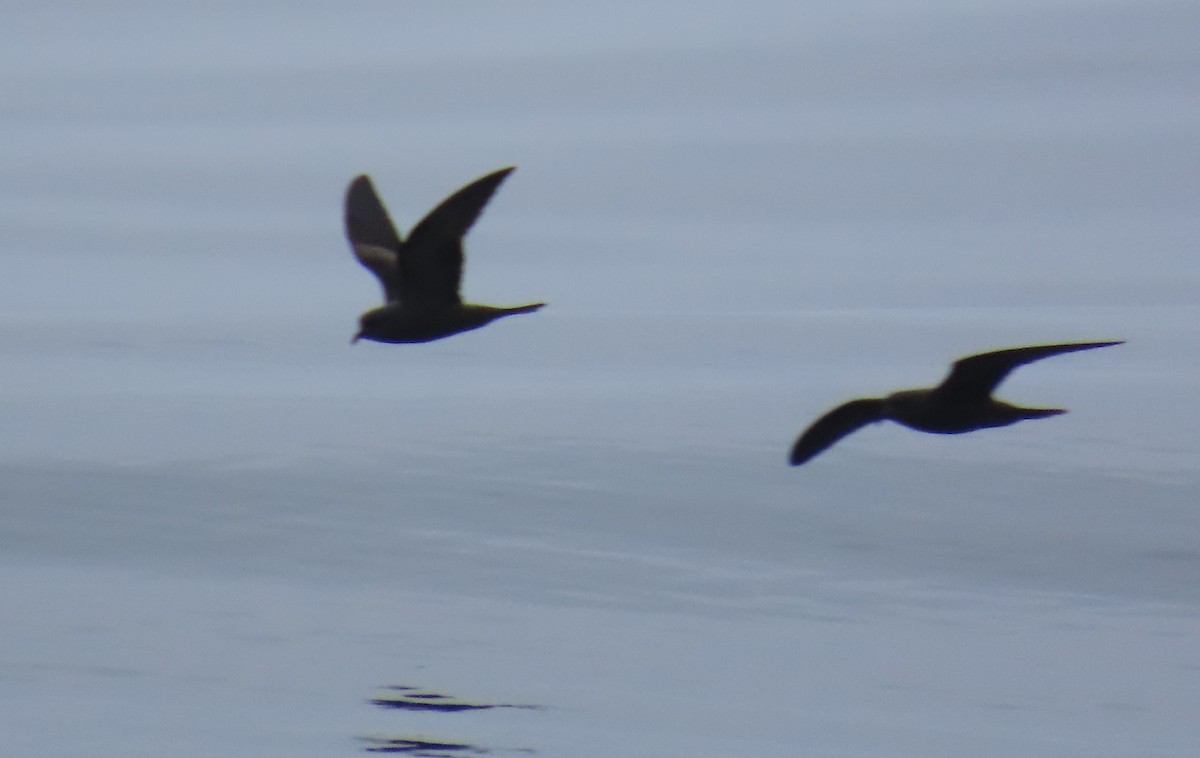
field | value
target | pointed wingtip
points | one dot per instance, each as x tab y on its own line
1101	343
1089	345
1072	347
500	174
497	177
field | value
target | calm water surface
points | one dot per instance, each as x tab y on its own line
224	531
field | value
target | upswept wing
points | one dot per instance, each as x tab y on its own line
431	261
834	425
372	235
978	375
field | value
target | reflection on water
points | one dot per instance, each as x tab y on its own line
421	747
416	699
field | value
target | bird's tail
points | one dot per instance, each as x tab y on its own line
1028	413
522	309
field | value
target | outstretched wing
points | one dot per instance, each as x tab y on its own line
834	425
372	235
977	376
431	261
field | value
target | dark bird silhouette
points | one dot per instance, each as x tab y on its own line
963	402
421	275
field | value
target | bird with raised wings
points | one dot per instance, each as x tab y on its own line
420	276
963	402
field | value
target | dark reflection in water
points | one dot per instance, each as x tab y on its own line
421	747
415	699
427	748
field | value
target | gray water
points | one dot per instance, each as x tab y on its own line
225	531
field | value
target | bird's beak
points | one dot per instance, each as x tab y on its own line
356	338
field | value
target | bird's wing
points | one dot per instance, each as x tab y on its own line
978	375
431	261
834	425
372	235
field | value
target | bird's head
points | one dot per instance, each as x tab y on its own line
376	324
368	325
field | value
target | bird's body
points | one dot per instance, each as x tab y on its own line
926	411
963	402
420	276
399	323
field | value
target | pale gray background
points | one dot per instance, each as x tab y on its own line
222	527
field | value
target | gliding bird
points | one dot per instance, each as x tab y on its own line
963	402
